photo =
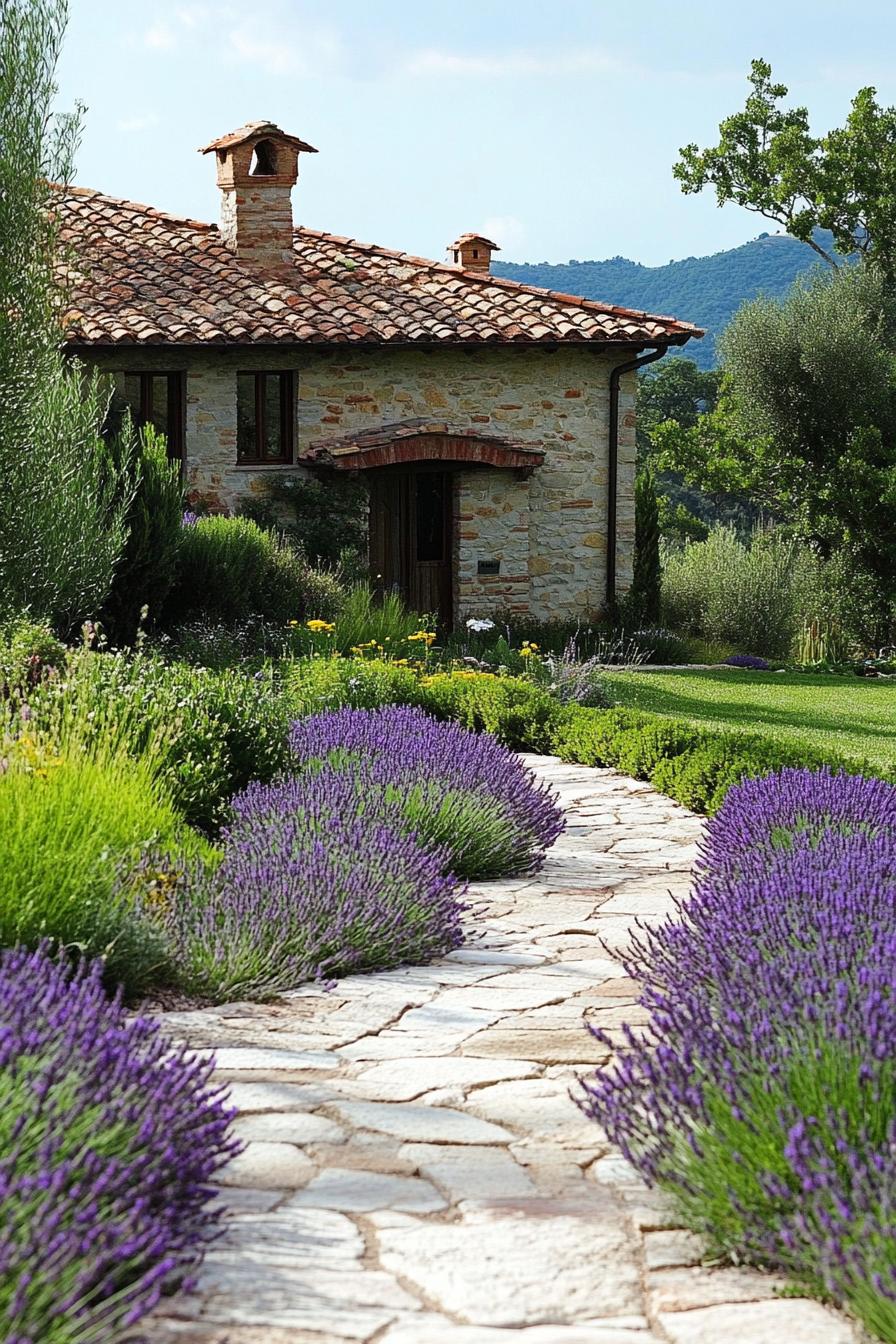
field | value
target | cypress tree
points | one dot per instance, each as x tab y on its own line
644	599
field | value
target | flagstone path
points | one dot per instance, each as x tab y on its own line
415	1171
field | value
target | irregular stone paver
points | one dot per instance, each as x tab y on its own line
416	1172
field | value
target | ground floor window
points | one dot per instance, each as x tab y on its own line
265	410
159	399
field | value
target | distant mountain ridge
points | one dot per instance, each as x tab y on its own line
703	290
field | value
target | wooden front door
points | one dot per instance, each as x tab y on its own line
411	537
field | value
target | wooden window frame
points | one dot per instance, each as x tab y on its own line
287	379
175	391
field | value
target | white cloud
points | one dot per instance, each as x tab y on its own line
436	61
307	52
159	37
139	123
193	16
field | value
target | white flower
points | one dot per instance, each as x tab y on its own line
474	623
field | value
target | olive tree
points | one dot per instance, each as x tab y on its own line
806	420
63	496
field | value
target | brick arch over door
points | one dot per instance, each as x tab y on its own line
416	442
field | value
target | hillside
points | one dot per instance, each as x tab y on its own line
704	290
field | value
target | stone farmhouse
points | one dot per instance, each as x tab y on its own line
493	421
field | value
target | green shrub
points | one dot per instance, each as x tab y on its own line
147	569
519	714
28	651
230	569
729	591
73	830
695	766
660	647
207	642
316	684
839	595
289	588
207	733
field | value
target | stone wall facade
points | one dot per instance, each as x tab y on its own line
548	531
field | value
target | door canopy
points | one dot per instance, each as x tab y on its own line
417	441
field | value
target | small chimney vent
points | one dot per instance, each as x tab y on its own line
258	166
473	252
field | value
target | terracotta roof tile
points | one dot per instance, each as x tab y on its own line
139	276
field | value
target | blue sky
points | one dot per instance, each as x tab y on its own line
552	126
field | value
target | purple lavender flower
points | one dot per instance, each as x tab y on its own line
318	880
110	1136
762	1093
748	660
457	789
190	519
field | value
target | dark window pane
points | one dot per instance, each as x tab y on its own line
264	417
273	426
431	497
246	428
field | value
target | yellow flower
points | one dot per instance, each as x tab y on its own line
293	624
323	626
401	662
527	652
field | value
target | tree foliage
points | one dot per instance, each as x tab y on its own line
768	161
806	418
677	390
674	389
62	497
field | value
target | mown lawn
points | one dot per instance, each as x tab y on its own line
852	716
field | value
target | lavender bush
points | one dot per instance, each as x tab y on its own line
751	661
317	880
763	1092
109	1137
455	789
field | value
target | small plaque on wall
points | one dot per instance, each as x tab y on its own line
486	567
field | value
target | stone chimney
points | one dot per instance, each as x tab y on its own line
473	252
258	166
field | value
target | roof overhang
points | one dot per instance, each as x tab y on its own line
415	441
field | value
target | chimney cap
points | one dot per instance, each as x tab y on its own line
257	130
475	238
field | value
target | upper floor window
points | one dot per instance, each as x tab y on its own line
265	414
159	399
